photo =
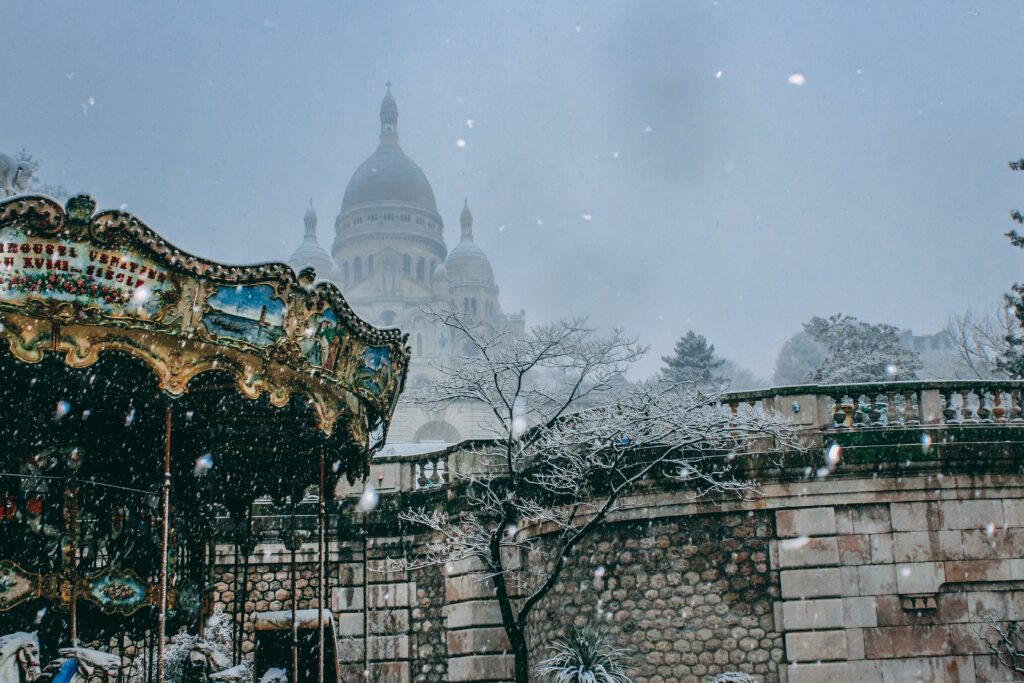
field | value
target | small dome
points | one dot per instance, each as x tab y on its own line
310	253
467	263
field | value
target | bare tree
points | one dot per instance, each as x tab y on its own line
1005	640
565	452
981	341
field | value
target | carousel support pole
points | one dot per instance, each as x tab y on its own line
321	573
236	618
206	563
243	594
73	556
165	532
295	594
366	595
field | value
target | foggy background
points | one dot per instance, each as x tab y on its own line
650	165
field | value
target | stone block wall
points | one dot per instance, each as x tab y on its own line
690	597
838	579
880	590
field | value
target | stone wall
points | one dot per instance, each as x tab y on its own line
857	575
690	597
896	589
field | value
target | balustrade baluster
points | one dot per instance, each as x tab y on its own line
1015	409
838	416
948	409
892	415
862	417
984	413
435	477
421	478
998	411
877	410
966	414
847	408
910	416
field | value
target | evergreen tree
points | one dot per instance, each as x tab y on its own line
856	351
1012	360
693	361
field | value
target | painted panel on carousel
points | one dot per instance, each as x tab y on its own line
117	591
16	585
323	342
119	282
375	372
249	313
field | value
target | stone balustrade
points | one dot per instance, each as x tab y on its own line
893	404
820	413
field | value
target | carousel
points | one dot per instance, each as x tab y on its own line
149	399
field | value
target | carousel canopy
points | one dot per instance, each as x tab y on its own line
148	393
76	283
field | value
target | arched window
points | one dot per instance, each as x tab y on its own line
465	305
433	267
407	264
420	266
472	305
357	270
344	273
369	265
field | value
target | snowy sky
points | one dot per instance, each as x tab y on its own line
721	196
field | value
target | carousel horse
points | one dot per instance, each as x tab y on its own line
206	664
81	665
19	657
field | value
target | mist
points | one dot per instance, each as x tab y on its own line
729	167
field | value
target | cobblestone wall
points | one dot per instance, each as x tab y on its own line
691	597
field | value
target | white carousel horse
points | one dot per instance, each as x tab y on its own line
19	657
82	665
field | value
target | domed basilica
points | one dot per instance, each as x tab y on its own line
390	259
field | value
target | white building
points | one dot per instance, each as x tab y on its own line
390	259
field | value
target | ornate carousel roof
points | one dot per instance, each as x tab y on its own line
76	283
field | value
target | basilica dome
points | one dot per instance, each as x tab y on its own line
389	175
